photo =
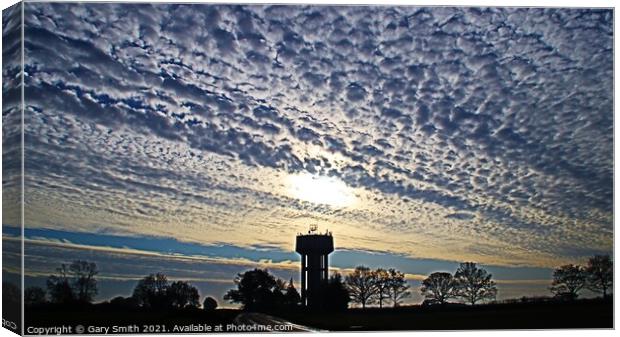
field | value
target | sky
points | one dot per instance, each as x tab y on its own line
200	139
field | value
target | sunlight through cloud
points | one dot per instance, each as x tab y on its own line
321	190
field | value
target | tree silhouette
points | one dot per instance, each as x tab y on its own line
34	296
474	284
73	283
336	294
362	285
155	292
84	282
568	281
291	296
59	287
439	287
278	293
209	304
383	280
181	294
600	274
255	290
151	291
397	286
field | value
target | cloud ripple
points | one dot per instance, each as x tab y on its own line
478	133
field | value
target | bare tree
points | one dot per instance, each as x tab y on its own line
600	274
568	281
439	287
474	284
397	288
84	282
383	281
73	283
59	286
362	285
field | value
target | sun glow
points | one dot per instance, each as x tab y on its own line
321	190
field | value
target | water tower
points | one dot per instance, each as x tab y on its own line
314	249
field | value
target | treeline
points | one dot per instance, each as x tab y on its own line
258	290
597	276
380	286
366	286
472	284
76	284
469	283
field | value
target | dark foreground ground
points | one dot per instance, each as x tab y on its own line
95	319
579	314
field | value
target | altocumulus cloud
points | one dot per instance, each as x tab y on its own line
467	133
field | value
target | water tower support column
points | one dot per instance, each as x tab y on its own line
314	249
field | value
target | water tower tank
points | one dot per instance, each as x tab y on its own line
314	249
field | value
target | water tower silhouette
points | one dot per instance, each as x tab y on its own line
314	249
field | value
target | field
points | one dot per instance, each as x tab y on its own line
132	321
579	314
552	315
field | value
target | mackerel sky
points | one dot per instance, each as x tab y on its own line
463	134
